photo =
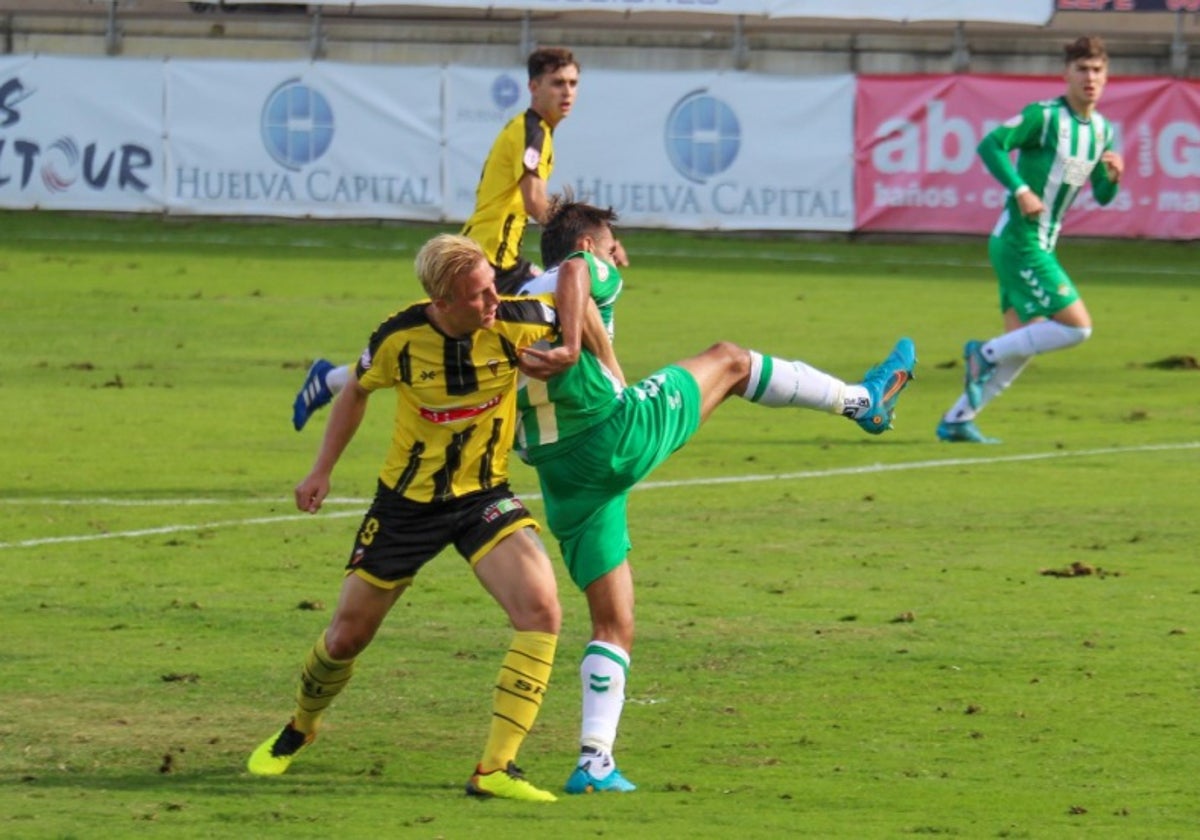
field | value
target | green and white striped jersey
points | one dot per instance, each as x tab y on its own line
585	394
1057	153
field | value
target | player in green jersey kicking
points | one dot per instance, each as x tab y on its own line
1062	144
592	438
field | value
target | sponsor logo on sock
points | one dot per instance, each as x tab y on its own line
856	407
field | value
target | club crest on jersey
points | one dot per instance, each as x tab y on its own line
1076	171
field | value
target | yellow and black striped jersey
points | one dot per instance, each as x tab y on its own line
455	398
524	145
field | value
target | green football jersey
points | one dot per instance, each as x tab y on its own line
1057	153
552	413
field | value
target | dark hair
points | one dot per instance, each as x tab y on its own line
568	220
548	59
1086	46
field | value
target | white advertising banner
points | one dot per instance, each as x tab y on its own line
712	151
80	134
303	139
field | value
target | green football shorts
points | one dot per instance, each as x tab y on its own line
586	486
1031	281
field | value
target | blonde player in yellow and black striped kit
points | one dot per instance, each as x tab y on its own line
453	361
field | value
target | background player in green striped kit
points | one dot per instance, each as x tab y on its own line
1062	144
592	439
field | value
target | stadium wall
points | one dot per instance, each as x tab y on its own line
1156	42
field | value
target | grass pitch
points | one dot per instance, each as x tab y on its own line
839	636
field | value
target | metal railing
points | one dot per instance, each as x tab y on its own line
1145	44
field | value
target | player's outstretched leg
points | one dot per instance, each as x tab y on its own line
314	394
884	382
275	754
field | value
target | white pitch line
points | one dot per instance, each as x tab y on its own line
169	529
867	469
923	465
109	502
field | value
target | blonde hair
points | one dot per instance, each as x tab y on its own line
444	259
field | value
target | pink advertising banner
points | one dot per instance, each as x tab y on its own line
916	168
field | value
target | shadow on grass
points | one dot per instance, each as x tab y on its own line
223	782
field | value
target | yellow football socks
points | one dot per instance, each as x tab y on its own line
322	679
520	688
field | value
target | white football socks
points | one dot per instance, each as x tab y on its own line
602	672
338	378
778	382
1010	353
1002	376
1032	339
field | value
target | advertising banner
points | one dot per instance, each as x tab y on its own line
80	134
304	139
712	151
688	151
917	170
1128	5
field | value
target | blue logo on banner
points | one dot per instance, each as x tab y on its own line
297	124
702	136
505	92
